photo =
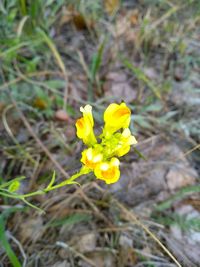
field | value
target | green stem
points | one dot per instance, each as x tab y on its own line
23	7
8	195
82	171
68	181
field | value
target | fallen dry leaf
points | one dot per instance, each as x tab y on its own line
86	243
180	176
111	6
101	259
164	170
31	229
40	103
117	85
126	252
125	25
133	16
66	17
79	21
122	27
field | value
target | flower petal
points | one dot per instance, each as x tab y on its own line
85	125
125	141
108	171
116	117
91	157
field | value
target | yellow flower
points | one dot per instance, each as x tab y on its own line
101	157
116	117
85	126
108	171
125	141
91	157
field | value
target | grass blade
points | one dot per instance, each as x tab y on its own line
178	196
4	242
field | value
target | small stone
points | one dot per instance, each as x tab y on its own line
125	241
86	243
61	264
31	229
180	177
61	115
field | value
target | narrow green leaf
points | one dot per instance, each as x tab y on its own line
4	242
139	153
96	61
52	180
71	220
178	196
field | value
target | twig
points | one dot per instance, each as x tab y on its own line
10	133
94	207
65	246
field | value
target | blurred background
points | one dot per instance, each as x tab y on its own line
58	55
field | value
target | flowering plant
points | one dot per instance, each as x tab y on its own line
101	155
115	141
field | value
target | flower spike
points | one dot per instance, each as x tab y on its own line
115	141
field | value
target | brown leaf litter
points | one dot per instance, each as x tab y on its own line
165	170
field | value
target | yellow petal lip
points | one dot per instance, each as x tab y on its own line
91	157
132	140
104	166
126	132
115	162
128	138
97	158
125	141
108	171
89	153
116	111
87	108
116	116
87	112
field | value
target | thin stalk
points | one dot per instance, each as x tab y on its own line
23	7
6	193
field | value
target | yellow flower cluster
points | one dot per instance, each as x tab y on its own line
116	139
